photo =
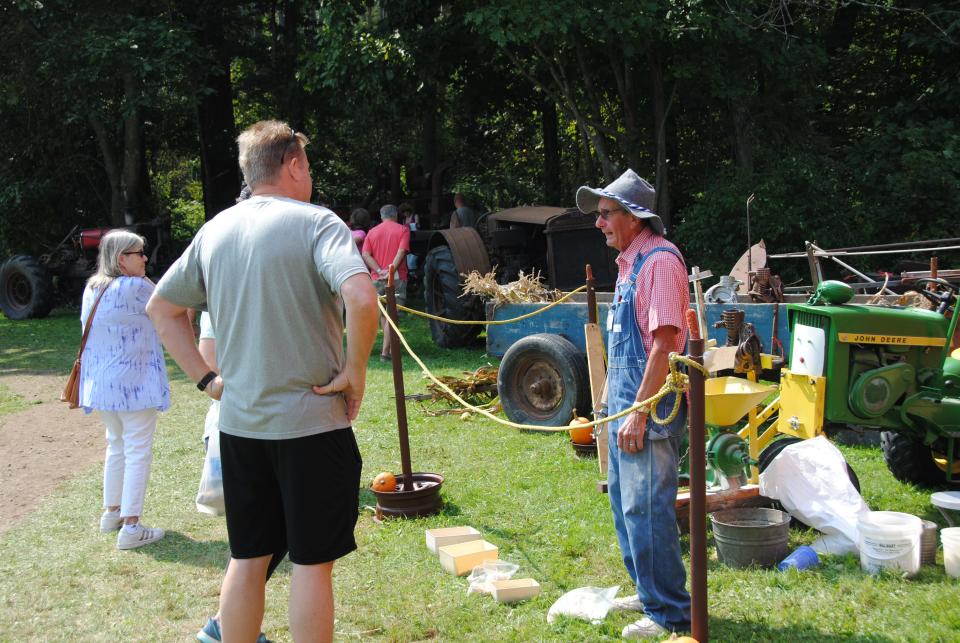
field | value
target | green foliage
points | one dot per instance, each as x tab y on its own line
840	117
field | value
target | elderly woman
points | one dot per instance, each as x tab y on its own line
123	376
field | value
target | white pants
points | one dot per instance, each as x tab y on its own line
126	467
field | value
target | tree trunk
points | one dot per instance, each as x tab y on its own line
136	202
112	168
551	153
660	108
626	79
218	151
291	94
428	129
743	134
597	138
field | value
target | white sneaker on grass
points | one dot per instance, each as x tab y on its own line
627	604
644	629
140	537
110	521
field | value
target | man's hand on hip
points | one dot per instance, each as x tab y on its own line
351	386
215	388
630	435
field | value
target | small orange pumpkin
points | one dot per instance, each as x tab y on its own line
384	481
581	434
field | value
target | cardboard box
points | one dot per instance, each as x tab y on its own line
443	536
515	589
461	558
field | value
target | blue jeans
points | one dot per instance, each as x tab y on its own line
643	491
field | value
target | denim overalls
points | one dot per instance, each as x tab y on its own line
643	485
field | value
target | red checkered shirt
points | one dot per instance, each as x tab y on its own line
662	291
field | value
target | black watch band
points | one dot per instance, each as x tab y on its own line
205	381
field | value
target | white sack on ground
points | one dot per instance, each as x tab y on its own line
810	480
588	603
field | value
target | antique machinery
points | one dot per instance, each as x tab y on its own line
886	368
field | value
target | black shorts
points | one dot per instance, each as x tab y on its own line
302	494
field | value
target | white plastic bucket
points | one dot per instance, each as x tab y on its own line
950	536
889	539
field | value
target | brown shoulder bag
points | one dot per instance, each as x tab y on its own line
71	392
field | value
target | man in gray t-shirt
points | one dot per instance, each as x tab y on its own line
275	274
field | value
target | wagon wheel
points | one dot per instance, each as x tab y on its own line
542	379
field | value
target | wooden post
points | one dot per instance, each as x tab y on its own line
814	263
398	392
696	277
596	368
698	490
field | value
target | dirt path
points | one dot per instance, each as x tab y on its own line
42	445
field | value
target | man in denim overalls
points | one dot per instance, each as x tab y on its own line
645	324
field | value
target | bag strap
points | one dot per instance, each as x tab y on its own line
86	330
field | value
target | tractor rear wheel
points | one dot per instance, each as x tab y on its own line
26	289
542	379
443	286
910	460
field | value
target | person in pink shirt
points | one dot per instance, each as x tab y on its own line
386	245
359	224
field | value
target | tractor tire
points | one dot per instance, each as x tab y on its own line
442	289
543	378
910	460
26	288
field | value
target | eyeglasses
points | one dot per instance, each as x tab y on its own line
605	214
136	252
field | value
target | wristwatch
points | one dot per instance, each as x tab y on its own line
205	381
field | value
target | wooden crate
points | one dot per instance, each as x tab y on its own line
443	536
461	558
517	589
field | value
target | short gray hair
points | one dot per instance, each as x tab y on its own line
263	146
389	211
112	245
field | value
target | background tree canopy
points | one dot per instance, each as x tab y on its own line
841	116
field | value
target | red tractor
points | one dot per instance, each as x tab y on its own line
30	286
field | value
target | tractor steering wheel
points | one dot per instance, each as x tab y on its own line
939	299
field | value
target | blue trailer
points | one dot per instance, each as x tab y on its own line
544	377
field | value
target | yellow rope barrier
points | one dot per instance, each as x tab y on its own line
676	382
493	322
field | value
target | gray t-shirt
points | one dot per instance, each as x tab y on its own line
269	270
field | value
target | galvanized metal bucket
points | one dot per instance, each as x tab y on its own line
753	536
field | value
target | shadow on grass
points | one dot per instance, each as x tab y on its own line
178	548
729	630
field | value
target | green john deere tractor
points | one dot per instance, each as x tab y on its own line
886	368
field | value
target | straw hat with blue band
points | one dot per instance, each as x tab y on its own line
635	195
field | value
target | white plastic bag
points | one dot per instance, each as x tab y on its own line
210	493
482	577
810	480
587	603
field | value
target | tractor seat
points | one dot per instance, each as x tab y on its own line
948	503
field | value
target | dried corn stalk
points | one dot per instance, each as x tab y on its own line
478	388
527	289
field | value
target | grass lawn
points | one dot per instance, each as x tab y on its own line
61	580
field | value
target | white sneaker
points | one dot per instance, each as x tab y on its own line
142	536
643	629
110	521
627	604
